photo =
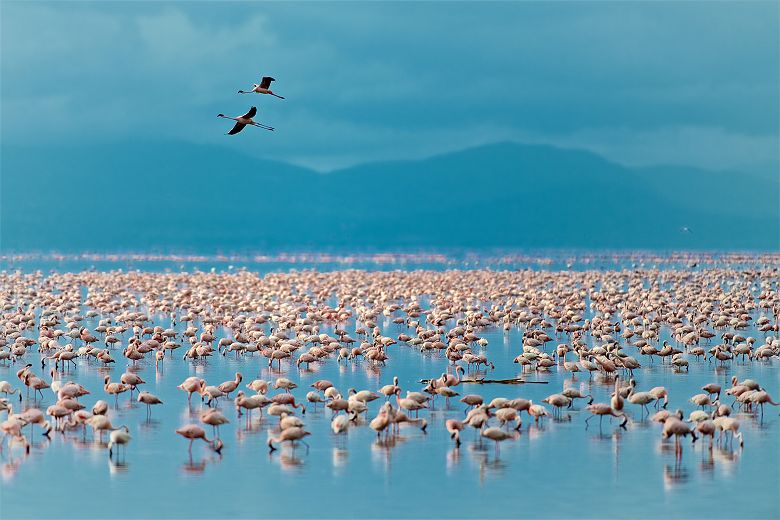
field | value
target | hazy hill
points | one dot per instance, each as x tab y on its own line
177	196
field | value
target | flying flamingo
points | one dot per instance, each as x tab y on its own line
242	121
262	88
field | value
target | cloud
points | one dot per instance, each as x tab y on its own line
172	38
639	83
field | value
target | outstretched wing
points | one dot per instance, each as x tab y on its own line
236	129
265	81
251	113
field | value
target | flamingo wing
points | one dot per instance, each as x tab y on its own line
265	81
236	129
250	114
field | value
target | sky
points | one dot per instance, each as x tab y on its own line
689	83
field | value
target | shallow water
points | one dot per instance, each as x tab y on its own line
555	469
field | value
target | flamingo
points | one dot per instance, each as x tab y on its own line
262	88
558	401
454	427
380	423
7	389
35	382
728	424
250	403
242	121
121	437
497	435
471	400
314	398
389	390
339	424
259	386
100	423
761	397
400	418
213	418
640	398
673	426
290	435
193	432
13	428
602	409
229	386
712	389
191	385
114	388
131	381
148	399
507	415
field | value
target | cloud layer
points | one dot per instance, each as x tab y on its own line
642	84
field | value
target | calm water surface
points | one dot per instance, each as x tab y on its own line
557	469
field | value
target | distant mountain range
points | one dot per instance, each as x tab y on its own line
182	197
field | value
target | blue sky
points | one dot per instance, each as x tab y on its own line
692	83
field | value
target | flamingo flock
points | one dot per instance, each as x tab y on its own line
602	330
264	87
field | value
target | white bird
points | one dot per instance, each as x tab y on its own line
339	424
262	88
6	388
242	121
121	437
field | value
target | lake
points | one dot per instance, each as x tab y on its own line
556	469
